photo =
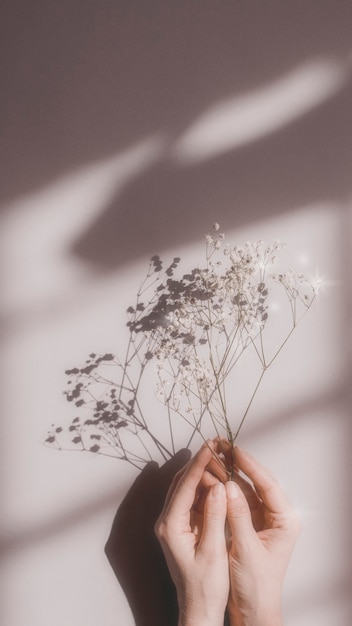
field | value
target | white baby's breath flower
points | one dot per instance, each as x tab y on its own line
160	394
196	330
317	284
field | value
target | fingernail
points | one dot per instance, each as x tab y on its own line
218	491
232	490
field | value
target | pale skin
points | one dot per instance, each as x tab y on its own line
227	543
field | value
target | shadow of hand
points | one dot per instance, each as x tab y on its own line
134	552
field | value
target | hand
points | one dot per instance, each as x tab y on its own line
263	530
152	598
191	530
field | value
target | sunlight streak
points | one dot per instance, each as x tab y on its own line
38	229
247	118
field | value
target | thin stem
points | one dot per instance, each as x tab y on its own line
249	404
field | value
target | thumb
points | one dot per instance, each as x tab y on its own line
239	517
213	534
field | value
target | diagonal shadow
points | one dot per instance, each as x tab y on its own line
156	480
300	165
134	552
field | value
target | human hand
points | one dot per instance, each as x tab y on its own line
152	598
264	530
191	530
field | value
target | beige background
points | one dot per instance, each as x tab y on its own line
127	130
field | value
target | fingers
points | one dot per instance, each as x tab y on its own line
222	460
239	517
173	485
266	485
183	489
216	468
213	533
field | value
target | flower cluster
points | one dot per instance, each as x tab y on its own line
194	328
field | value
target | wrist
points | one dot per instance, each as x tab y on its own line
200	618
198	609
255	617
199	621
184	621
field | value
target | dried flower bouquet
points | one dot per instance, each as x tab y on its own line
193	331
